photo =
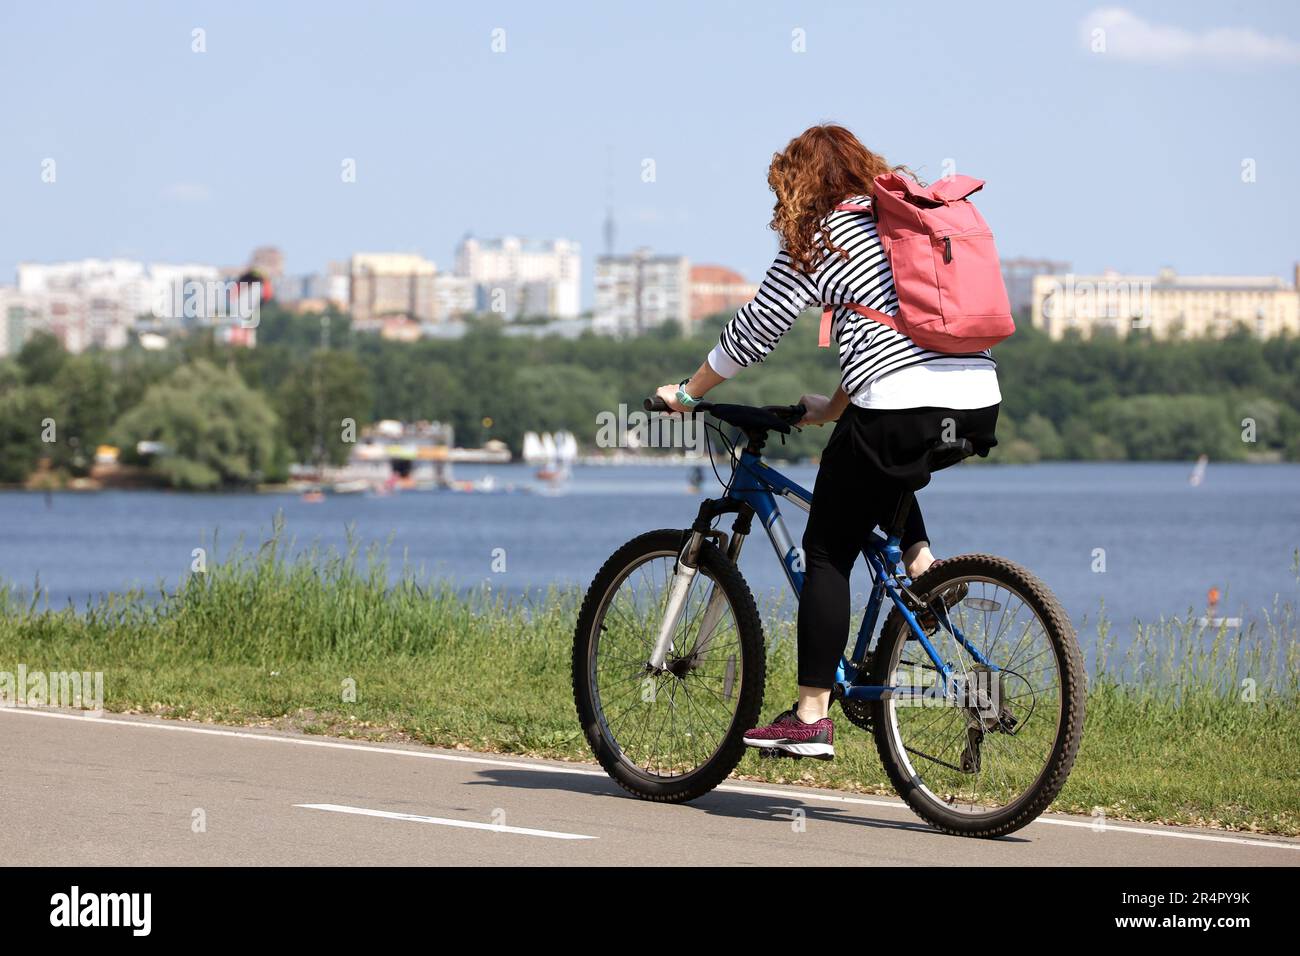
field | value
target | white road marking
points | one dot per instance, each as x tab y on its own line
444	821
826	797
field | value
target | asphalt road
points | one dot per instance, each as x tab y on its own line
122	791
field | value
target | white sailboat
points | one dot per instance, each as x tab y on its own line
561	449
533	451
566	448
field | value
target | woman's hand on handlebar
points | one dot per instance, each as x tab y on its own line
822	409
669	394
696	387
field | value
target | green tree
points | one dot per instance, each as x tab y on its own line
315	401
216	431
11	375
23	415
1166	427
549	398
40	358
86	401
1039	431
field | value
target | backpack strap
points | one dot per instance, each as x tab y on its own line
828	311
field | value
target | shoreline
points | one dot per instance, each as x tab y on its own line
90	486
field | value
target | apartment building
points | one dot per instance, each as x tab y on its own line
1018	276
519	277
99	302
315	291
640	291
390	284
717	289
1167	305
453	297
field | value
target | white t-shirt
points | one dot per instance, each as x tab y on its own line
943	383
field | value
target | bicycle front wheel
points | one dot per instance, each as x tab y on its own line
987	754
676	733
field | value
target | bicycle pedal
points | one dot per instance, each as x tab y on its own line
775	753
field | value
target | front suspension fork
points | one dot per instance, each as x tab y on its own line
679	591
717	603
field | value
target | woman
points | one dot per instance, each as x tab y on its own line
894	402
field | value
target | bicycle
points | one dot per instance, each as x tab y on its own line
669	656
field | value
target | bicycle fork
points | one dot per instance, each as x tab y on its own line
679	592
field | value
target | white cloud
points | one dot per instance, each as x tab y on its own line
1126	36
187	192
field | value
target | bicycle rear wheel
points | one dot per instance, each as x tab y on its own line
675	734
982	766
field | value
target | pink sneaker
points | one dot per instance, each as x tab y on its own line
790	735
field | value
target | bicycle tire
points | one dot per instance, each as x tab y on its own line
619	566
1060	633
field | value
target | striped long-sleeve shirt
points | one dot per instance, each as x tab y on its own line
867	349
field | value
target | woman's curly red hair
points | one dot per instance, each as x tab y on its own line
820	167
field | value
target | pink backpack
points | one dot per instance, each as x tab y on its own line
951	297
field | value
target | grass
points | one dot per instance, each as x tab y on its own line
1187	726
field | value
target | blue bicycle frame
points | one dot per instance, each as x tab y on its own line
756	487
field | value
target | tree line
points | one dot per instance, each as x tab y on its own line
236	417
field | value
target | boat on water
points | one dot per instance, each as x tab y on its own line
1211	616
553	453
486	485
533	451
358	486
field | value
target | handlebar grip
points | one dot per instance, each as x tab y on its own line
655	404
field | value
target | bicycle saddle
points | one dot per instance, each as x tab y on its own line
944	454
915	474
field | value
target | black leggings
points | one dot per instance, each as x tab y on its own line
872	456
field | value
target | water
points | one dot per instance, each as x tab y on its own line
1165	542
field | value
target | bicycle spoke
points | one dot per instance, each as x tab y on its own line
1008	633
678	721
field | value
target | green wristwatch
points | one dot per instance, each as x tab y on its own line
683	398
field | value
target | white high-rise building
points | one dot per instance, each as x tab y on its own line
453	297
16	318
97	302
542	277
317	289
640	291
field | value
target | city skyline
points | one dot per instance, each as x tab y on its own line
249	140
105	302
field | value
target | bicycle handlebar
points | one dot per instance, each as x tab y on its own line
792	413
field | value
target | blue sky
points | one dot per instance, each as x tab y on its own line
1129	159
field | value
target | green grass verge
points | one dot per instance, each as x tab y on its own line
1185	728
